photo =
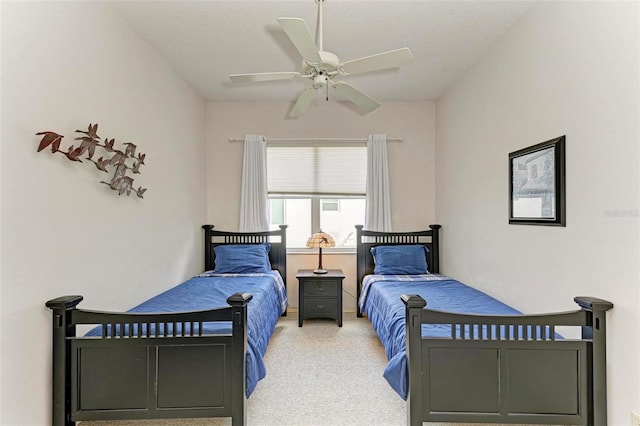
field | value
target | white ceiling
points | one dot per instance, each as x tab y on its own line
205	41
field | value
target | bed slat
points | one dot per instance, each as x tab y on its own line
499	327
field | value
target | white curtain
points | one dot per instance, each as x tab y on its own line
378	205
254	203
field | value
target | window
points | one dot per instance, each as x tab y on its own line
307	215
317	187
330	205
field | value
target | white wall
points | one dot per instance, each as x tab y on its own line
411	163
568	68
65	65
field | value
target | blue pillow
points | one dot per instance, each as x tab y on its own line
400	259
242	258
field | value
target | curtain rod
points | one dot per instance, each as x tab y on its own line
316	139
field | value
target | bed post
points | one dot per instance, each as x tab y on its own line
414	306
282	262
62	328
596	330
360	265
238	304
207	247
435	246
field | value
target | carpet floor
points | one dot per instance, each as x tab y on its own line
317	375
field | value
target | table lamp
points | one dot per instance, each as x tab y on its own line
320	240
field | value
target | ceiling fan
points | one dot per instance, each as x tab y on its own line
321	67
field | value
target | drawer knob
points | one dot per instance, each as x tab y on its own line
320	306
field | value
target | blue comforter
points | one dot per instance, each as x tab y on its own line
208	291
380	300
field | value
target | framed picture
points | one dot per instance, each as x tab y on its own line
537	184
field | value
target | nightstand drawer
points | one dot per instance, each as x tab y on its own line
320	307
320	288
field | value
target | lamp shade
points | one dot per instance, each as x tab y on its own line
320	240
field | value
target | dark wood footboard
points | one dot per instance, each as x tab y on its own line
148	366
508	369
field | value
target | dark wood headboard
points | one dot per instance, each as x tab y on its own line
365	240
277	239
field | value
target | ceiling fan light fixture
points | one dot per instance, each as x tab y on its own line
321	66
320	80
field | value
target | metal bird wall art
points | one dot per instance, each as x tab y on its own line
119	161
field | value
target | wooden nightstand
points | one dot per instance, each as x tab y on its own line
320	295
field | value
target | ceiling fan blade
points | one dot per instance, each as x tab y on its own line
263	76
362	101
303	102
299	34
380	61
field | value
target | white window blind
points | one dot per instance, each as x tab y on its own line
317	170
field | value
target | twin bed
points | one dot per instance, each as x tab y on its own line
195	350
469	357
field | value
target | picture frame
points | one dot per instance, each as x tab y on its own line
537	184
